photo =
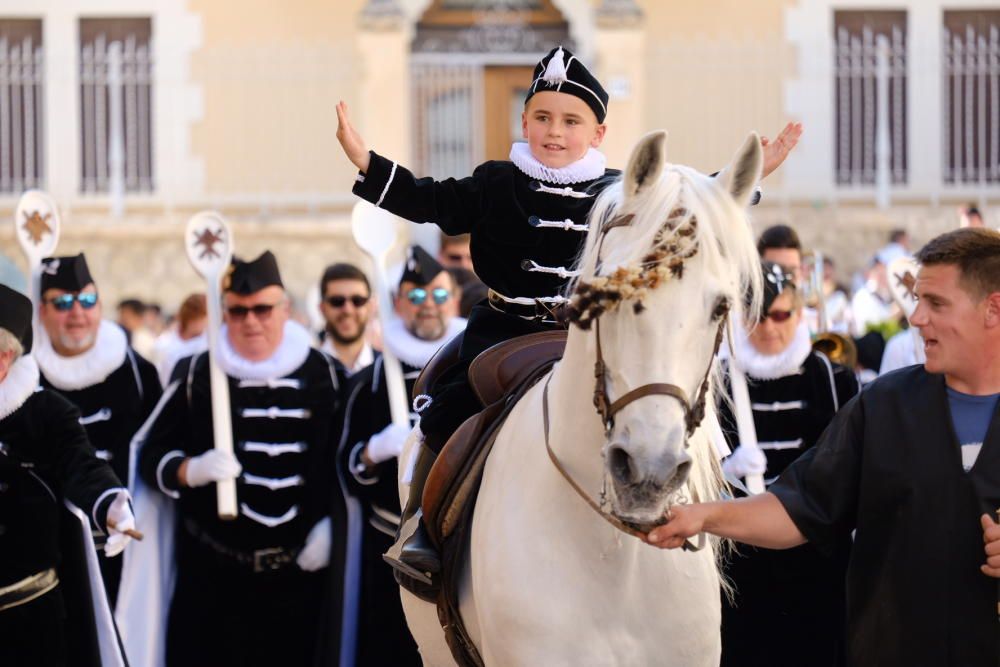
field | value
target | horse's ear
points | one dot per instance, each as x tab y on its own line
646	163
743	173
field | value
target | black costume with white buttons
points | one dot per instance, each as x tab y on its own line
112	408
526	234
240	597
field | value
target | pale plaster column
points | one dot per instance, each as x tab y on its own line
620	61
382	112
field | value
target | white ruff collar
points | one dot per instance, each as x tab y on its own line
20	383
83	370
773	366
291	353
587	168
415	351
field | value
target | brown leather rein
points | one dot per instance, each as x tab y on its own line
693	414
607	409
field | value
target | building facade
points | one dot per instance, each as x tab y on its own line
134	114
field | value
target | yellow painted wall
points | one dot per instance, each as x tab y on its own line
714	71
271	73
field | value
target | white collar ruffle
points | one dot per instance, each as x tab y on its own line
587	168
772	366
415	351
105	356
20	383
294	348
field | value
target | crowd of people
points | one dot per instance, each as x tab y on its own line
880	491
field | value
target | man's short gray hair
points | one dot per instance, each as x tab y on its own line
8	342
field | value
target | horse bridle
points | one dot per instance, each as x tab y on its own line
607	409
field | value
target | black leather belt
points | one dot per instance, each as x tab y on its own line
28	589
538	311
261	560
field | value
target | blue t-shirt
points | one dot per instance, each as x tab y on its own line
971	417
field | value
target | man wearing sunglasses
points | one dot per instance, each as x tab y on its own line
787	604
89	361
346	306
371	445
250	590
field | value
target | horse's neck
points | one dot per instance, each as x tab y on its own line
576	434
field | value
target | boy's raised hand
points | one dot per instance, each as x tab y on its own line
776	151
352	143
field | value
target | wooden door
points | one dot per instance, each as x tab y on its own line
504	90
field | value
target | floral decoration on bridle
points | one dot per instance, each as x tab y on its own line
674	244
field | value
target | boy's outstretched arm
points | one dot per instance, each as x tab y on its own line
775	151
759	520
350	140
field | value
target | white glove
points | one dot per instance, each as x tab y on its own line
315	555
119	514
387	443
214	465
745	461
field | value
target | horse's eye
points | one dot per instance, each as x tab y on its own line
720	309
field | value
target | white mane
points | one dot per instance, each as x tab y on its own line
723	232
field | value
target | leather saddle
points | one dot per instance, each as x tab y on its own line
496	376
499	376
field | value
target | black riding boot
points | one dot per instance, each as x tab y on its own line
414	554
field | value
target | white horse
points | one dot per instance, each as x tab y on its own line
547	580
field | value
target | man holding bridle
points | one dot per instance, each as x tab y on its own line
912	466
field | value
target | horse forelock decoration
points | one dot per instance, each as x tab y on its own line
599	450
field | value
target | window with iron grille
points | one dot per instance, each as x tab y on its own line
115	105
22	135
869	46
971	60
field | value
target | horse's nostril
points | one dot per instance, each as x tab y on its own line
623	468
682	471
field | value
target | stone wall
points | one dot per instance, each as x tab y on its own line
145	257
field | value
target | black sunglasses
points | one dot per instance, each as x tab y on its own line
261	311
777	315
64	302
418	295
339	301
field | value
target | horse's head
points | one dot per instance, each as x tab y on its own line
669	253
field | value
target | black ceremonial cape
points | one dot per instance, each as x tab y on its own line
890	467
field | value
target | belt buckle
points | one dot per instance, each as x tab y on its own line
269	560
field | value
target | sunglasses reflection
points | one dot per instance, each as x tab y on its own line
418	295
64	302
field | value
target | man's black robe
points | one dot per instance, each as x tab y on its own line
111	411
44	458
382	635
890	467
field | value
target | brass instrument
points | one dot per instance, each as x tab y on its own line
838	348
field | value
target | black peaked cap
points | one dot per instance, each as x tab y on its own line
420	267
249	277
65	273
562	72
776	280
15	315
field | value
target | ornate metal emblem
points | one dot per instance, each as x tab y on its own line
36	225
206	239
